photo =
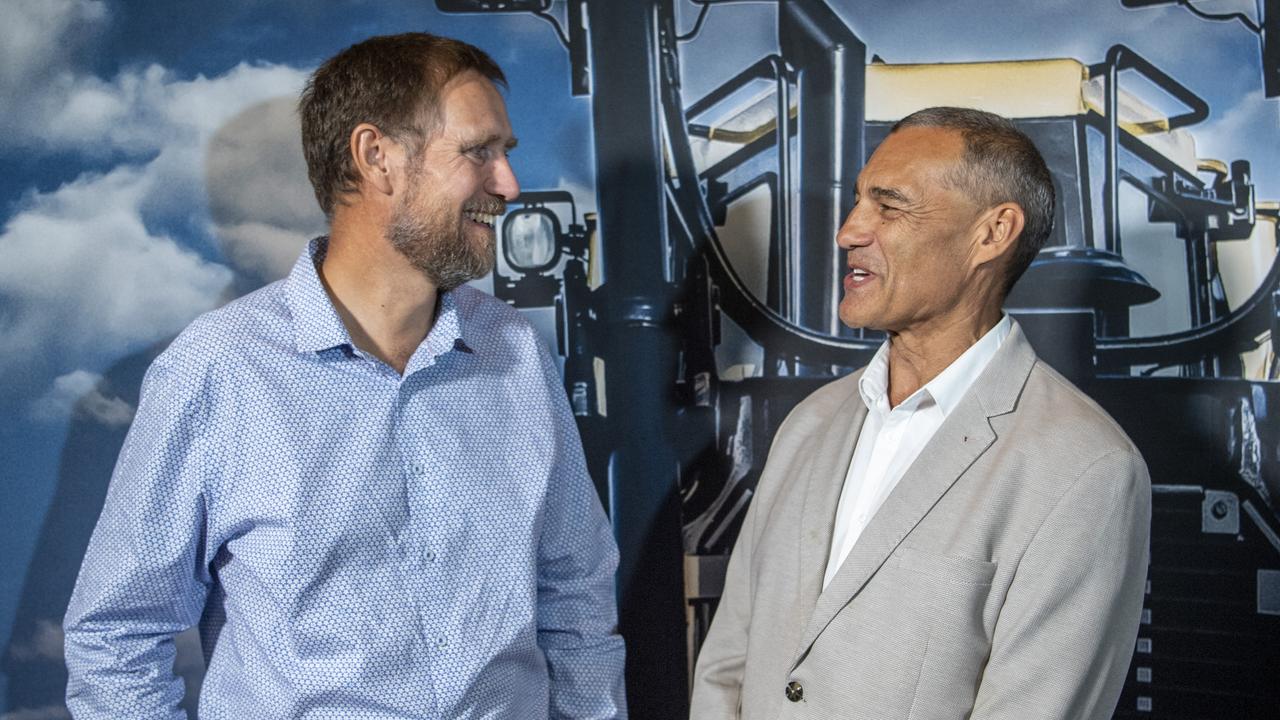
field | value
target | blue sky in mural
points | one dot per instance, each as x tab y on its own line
118	223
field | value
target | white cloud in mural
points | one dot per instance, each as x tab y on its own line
268	250
79	392
141	110
108	263
38	37
52	106
84	279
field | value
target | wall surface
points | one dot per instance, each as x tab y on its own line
153	172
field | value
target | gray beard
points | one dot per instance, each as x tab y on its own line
438	248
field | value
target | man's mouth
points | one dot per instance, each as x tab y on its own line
858	276
488	219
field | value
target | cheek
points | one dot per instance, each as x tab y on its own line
920	275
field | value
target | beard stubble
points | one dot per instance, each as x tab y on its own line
433	238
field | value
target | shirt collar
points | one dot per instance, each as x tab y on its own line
948	387
874	383
445	335
317	326
952	383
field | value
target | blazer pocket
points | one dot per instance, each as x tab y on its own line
954	593
945	567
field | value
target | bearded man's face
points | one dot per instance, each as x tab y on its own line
458	185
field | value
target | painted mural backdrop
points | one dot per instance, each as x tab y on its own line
685	166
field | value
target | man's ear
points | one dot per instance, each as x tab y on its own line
374	155
998	231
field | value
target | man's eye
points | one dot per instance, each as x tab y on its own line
480	152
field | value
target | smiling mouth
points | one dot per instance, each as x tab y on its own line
486	219
857	277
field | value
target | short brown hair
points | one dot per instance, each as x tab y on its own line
390	81
1000	164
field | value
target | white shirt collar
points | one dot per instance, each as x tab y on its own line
948	387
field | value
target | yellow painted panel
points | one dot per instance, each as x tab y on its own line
1244	263
1015	89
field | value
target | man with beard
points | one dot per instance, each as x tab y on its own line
362	482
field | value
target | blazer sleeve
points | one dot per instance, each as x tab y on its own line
717	680
1064	638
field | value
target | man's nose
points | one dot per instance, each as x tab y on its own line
855	232
502	181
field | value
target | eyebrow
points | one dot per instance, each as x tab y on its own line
509	144
881	193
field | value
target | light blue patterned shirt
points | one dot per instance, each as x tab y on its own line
352	543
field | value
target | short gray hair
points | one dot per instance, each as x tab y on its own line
1000	164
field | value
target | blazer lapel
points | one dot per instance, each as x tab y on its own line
824	478
961	439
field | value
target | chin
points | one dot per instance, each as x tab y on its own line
855	324
854	317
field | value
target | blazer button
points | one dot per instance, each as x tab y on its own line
795	691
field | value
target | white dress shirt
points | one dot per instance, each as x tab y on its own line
892	438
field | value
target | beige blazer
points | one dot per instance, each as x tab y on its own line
1002	578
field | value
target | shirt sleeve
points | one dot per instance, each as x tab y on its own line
577	559
1064	638
145	575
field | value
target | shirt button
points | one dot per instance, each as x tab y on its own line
441	642
418	468
795	691
430	555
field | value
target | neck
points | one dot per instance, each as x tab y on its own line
919	355
387	305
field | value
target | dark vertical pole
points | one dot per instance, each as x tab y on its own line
788	296
829	61
579	51
639	352
1271	48
1111	186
